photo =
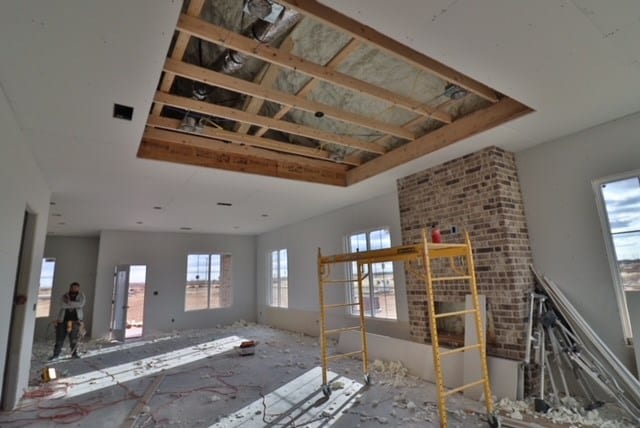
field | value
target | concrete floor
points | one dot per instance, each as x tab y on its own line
223	389
199	379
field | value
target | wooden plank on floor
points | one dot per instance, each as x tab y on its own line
137	409
299	402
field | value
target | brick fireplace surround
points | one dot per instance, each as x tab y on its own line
479	192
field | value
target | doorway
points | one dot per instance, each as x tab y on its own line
127	312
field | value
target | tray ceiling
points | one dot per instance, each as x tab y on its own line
306	94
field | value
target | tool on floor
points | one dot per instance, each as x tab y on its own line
247	347
48	374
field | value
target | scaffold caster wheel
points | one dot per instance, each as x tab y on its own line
326	390
367	379
494	421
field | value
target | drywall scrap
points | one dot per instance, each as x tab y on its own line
589	356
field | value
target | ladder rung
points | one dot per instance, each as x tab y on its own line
452	278
453	314
461	349
340	330
340	305
338	281
463	387
348	354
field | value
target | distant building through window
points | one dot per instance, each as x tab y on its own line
619	204
279	283
43	306
378	289
208	282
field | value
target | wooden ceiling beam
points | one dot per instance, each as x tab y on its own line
266	78
225	81
386	44
229	39
250	140
474	123
179	48
254	119
337	59
192	150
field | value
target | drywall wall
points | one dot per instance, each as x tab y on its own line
564	228
76	261
327	232
22	188
165	255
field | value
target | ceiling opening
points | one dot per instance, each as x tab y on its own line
296	90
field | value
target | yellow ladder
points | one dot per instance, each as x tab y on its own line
324	272
451	252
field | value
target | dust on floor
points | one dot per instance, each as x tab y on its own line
215	386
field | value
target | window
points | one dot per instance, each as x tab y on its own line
46	285
279	287
208	282
378	289
619	205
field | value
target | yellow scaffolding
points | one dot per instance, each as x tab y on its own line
424	253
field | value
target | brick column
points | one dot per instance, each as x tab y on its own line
479	192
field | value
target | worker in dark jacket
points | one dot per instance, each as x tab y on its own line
69	320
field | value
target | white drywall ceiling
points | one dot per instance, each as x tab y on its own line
64	64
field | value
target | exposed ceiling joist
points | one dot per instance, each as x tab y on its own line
229	39
474	123
193	150
179	48
250	140
254	119
228	82
367	34
266	78
337	59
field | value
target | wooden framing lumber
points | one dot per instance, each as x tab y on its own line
337	59
229	39
261	142
192	150
386	44
180	46
474	123
254	119
266	78
225	81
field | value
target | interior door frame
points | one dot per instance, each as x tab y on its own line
18	316
118	333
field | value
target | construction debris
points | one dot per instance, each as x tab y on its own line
576	353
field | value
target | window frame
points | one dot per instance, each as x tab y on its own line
619	290
270	282
211	283
353	284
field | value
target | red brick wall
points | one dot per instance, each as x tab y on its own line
479	192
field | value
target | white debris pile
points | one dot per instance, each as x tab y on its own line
570	411
391	372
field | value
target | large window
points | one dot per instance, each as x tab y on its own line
619	204
279	284
378	289
208	282
46	285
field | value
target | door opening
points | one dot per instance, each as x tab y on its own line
135	310
127	311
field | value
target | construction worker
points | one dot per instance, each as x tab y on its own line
69	320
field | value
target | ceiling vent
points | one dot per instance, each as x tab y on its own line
122	112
